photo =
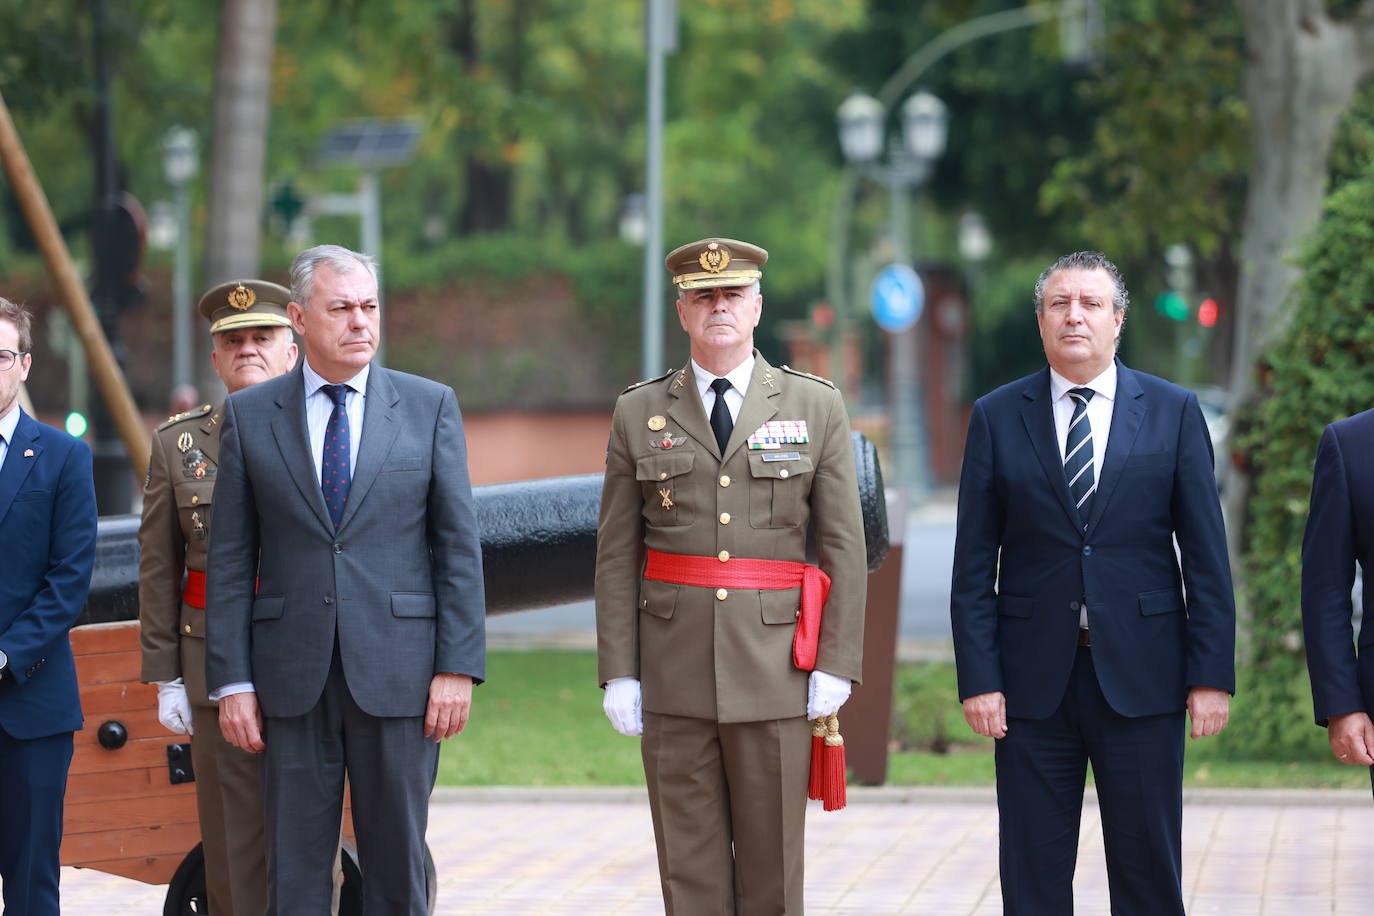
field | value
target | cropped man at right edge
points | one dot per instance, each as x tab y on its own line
1077	634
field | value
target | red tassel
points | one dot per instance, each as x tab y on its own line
831	782
817	751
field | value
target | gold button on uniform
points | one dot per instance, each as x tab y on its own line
725	480
187	628
195	498
725	518
783	473
721	594
723	555
662	475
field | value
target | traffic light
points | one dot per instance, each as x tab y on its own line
1208	312
76	424
1172	305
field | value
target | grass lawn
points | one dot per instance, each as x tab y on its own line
538	722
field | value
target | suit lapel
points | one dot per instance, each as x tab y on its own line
1037	414
758	406
293	441
379	433
688	412
1127	415
17	465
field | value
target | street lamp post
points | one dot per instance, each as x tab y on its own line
180	163
910	159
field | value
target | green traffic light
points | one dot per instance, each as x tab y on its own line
76	424
1172	306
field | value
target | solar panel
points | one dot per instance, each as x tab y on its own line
370	143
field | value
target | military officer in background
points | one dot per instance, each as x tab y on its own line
714	473
252	343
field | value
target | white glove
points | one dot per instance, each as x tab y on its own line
826	694
174	707
624	705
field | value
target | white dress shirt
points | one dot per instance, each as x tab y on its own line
1099	421
319	405
739	384
8	424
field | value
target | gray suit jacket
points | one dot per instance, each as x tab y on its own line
400	582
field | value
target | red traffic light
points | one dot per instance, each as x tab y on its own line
1208	312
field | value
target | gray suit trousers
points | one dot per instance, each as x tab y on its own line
390	767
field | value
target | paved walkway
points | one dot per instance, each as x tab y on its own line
590	852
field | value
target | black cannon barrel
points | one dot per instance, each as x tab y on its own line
538	542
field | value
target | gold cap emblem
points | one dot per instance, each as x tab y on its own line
714	258
242	298
657	422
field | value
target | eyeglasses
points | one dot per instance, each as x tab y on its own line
8	358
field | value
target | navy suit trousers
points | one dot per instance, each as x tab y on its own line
1138	769
36	770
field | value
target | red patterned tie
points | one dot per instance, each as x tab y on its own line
334	464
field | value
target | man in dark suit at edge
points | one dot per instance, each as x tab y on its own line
1073	637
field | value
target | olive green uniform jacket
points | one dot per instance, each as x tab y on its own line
726	655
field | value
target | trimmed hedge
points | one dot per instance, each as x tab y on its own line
1322	371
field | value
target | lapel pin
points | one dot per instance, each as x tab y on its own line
28	453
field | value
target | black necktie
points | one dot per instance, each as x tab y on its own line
335	472
1078	455
721	424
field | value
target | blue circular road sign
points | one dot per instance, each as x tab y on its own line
898	297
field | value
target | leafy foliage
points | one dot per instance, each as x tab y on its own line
1321	373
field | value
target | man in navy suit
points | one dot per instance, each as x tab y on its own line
1338	536
1078	636
47	537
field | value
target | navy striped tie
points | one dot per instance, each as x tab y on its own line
1078	455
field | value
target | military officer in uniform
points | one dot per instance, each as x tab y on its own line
252	342
714	474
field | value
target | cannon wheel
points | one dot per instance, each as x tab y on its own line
186	892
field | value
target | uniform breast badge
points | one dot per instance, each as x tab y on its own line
667	441
667	499
656	423
184	442
777	433
196	465
197	526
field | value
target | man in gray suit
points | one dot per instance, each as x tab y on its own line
343	490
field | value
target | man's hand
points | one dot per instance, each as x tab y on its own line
450	701
624	705
174	707
826	693
1352	738
240	720
986	714
1209	709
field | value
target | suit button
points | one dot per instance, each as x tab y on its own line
328	599
662	475
195	498
721	594
783	473
723	555
725	480
1087	551
338	549
725	518
1074	606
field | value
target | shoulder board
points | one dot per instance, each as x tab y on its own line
814	378
174	419
657	378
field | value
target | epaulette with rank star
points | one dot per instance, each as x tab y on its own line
814	378
174	419
657	378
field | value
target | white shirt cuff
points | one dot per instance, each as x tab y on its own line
230	689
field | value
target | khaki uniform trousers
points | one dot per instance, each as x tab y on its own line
728	801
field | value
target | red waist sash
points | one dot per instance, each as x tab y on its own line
195	589
740	572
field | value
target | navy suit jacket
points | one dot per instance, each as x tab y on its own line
1340	532
47	548
1023	563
